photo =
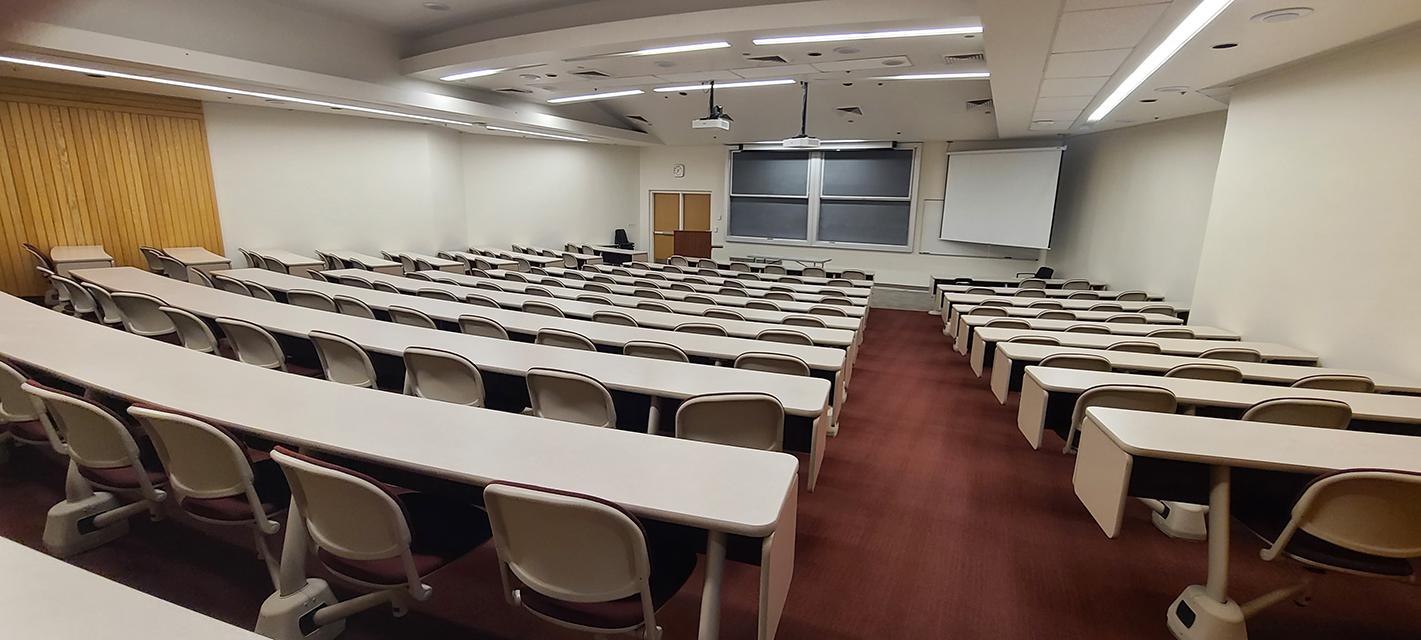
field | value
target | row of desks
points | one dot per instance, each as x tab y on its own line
723	267
984	281
860	289
967	324
1048	293
955	304
664	288
723	490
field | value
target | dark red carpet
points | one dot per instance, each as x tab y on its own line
933	519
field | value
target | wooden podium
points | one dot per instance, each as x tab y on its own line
692	244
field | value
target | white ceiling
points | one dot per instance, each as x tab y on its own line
412	18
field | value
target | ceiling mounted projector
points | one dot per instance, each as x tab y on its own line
717	118
802	141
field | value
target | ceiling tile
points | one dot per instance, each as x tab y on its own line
1119	28
700	76
1067	87
1085	64
1063	104
1051	126
1087	5
633	81
776	71
891	62
1068	116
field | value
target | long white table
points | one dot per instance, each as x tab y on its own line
295	263
953	319
985	340
724	490
987	281
617	255
732	273
198	259
497	263
1050	293
716	282
1048	396
371	263
537	261
1191	459
90	256
664	287
967	324
440	264
1009	365
951	300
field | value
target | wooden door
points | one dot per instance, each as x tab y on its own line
671	212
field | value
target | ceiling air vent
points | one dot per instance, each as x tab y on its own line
639	119
850	111
591	73
979	106
512	90
770	59
966	57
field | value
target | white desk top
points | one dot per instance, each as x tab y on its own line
1257	445
728	489
564	299
287	258
1050	293
616	250
367	260
1256	372
1081	316
665	286
717	281
532	259
730	273
43	598
1116	328
194	256
436	261
820	358
84	253
962	298
1017	280
801	396
1174	346
1381	407
498	263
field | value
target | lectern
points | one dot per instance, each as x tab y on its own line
692	244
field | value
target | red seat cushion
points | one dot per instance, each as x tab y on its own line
28	431
1269	526
271	489
120	477
300	370
442	530
671	566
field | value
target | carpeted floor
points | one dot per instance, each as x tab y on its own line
932	519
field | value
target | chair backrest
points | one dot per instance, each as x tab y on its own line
981	291
749	420
1046	304
655	350
356	281
823	310
1135	346
538	290
985	310
514	276
998	302
416	275
195	333
786	336
407	263
108	311
702	328
1045	272
1133	295
734	291
569	261
481	300
332	262
1056	315
230	284
142	314
854	274
437	294
772	363
1032	283
651	305
775	269
1107	306
421	264
412	317
779	295
650	293
94	436
40	259
597	287
642	282
1127	318
746	275
1030	293
1046	340
15	404
79	298
1366	511
765	305
203	278
476	325
843	302
353	307
443	376
253	344
1076	284
1337	382
566	339
1088	327
570	397
201	460
343	360
482	264
740	267
1124	396
1162	309
593	299
488	284
698	299
1083	295
723	313
1083	361
571	274
1008	323
260	292
151	255
1205	371
541	308
1172	332
172	268
1304	412
614	317
1237	354
311	300
804	321
523	264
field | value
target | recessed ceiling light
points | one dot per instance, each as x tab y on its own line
728	85
470	74
596	96
1043	122
681	48
1195	22
1282	15
962	75
665	64
870	35
846	51
1225	45
535	133
1173	89
436	6
528	76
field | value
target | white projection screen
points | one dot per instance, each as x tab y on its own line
1004	198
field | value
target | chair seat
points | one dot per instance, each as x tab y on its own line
310	372
29	431
271	490
441	530
671	566
121	477
1308	547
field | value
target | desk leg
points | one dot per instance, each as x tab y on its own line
777	566
818	440
1001	375
710	593
1206	612
978	353
296	596
1219	514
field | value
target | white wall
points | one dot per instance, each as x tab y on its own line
300	181
1314	230
545	193
1133	203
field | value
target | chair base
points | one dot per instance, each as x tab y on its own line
285	617
70	528
1196	616
1182	521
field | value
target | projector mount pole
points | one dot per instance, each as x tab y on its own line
803	109
711	107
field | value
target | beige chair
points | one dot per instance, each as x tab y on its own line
1076	284
151	255
412	317
535	290
740	267
230	284
1046	304
541	308
1133	295
1046	340
1008	323
106	310
343	360
614	317
723	314
1057	315
1088	327
1236	354
805	321
476	325
1172	332
172	268
1083	361
702	328
356	281
481	300
1135	346
514	276
774	269
1206	371
581	562
444	376
1304	412
311	300
1083	295
1032	283
596	287
981	291
734	291
696	298
1128	318
824	310
650	305
353	307
565	339
215	479
570	397
843	302
1161	309
813	272
254	345
854	274
655	350
81	304
840	282
22	417
779	295
260	292
1108	307
205	279
984	310
644	283
749	420
1118	396
142	315
1030	293
652	294
764	305
786	336
998	302
594	299
772	363
194	333
487	284
1337	382
437	294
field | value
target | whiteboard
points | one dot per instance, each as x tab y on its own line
1005	197
930	244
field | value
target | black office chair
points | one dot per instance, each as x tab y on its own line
619	239
1043	272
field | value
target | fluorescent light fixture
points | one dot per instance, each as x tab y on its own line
596	96
962	75
534	133
239	92
728	85
1192	25
470	74
871	35
681	48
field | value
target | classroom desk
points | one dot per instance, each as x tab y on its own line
369	263
758	267
666	479
296	264
966	325
1191	459
42	597
442	264
1050	293
985	340
90	256
197	258
536	261
1051	283
773	259
581	258
731	273
564	299
717	281
498	263
1048	397
617	255
803	293
950	300
1009	367
953	318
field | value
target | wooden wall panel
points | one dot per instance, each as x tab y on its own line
83	166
